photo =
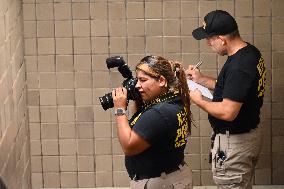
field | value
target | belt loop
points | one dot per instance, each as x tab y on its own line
163	175
135	177
228	134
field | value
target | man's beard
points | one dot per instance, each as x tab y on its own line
223	53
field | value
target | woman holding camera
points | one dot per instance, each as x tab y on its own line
155	137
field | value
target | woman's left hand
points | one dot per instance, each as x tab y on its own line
119	96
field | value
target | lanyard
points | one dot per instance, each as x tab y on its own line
161	98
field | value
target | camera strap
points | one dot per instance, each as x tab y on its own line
161	98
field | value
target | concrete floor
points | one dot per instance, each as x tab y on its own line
197	187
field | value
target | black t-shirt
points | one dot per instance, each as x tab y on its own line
242	79
164	126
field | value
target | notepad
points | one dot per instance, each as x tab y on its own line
204	91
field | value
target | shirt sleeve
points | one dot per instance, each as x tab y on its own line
237	84
151	126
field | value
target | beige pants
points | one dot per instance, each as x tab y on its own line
234	158
180	179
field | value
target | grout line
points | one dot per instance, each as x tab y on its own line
271	93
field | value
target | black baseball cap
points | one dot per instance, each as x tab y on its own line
217	22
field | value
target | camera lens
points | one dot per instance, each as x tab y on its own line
106	101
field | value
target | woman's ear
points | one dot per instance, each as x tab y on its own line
163	82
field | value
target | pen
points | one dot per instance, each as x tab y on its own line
198	64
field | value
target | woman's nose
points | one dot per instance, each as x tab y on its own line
137	85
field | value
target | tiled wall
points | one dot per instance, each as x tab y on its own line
277	94
73	140
15	169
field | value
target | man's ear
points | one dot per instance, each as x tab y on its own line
224	42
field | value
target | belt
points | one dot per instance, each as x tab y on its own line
141	176
223	131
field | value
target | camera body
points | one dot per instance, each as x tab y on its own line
129	83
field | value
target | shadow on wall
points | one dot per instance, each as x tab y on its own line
2	185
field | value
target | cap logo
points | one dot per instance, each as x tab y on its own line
204	24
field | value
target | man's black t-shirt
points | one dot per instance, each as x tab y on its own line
164	126
242	79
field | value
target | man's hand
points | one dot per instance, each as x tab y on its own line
193	74
195	96
196	76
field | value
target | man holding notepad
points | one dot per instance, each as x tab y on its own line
238	96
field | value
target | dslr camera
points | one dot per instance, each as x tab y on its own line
129	83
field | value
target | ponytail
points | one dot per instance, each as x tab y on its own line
182	86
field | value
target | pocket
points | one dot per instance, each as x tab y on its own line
183	179
229	180
159	183
138	184
218	167
183	184
219	161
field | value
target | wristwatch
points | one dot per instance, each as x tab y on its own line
119	112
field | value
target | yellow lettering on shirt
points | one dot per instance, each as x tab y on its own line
182	131
262	73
